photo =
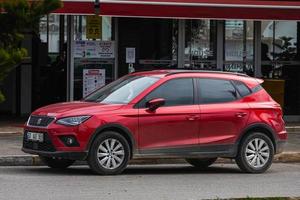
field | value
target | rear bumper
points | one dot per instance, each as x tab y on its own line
57	154
280	145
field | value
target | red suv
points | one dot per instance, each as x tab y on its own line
195	115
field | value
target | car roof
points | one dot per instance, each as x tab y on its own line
249	81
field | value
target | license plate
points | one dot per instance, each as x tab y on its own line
33	136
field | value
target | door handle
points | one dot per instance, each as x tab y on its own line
240	114
192	117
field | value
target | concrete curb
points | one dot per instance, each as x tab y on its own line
293	129
33	160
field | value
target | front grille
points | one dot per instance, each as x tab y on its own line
40	146
40	121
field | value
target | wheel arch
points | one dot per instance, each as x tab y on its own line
116	128
258	127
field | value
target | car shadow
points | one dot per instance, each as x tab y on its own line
139	170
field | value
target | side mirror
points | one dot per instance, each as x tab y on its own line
153	104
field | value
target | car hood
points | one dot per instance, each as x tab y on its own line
75	108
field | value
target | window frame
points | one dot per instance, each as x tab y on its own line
140	105
212	78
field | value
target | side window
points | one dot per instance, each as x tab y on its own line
242	88
216	91
175	92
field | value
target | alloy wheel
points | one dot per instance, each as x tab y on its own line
257	153
110	153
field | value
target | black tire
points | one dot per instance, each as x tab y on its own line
241	158
201	163
57	163
95	163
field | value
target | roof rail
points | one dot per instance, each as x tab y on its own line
205	71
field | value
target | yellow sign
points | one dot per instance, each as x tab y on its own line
93	27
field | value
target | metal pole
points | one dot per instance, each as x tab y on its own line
70	58
220	45
116	43
181	41
257	49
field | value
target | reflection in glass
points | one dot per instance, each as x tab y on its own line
239	49
279	44
200	44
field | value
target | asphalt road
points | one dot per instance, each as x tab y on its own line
148	182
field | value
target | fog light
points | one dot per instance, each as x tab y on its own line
69	140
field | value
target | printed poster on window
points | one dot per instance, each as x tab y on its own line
94	49
79	49
106	49
92	80
93	27
91	49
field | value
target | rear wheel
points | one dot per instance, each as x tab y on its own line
57	163
201	163
255	154
109	154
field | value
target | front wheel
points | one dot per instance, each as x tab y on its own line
109	153
56	163
201	163
255	154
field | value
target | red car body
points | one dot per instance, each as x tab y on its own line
208	130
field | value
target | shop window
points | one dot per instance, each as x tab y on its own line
157	43
280	68
154	42
49	32
279	47
200	44
94	54
239	49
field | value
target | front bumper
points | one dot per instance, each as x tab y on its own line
54	144
58	154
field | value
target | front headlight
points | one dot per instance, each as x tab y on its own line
73	121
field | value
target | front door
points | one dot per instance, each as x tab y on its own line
172	126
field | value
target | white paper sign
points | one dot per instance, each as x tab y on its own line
91	49
79	50
106	49
92	80
94	49
130	55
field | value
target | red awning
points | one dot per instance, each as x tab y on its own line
77	7
212	9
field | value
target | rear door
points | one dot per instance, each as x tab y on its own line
223	112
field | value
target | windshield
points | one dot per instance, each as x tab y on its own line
122	91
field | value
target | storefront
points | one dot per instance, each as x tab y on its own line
258	37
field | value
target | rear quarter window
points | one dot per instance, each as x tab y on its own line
257	88
242	88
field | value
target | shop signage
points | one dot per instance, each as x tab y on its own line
93	27
92	80
94	49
